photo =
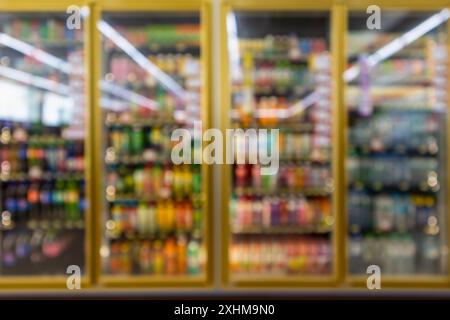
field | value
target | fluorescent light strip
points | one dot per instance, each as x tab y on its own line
397	44
233	47
140	59
35	81
128	95
34	52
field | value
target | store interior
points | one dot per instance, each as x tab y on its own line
88	178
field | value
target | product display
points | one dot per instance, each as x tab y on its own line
223	147
43	200
155	209
281	224
396	157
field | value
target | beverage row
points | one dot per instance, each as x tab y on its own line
292	46
37	30
290	146
172	256
407	132
388	213
398	172
181	66
396	254
404	69
55	201
268	212
178	35
298	255
295	177
155	181
148	218
283	76
35	249
137	140
37	159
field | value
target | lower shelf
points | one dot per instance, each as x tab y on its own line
153	280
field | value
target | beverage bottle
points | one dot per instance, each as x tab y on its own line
142	222
167	184
197	180
72	198
51	155
137	140
33	201
145	258
155	137
246	214
117	216
160	216
157	179
151	218
22	158
46	201
266	212
181	255
58	198
187	180
170	215
170	257
22	203
61	155
257	209
290	176
128	183
256	176
177	183
275	212
138	177
179	216
116	139
158	257
301	212
284	214
197	215
266	183
125	258
188	215
147	181
193	263
126	141
291	211
241	175
23	248
8	257
114	259
36	255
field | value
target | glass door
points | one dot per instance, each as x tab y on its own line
397	125
42	145
155	208
281	223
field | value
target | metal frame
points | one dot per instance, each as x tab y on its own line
302	280
203	8
59	281
338	10
414	281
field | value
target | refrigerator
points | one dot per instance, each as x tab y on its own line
279	225
44	145
154	208
396	97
